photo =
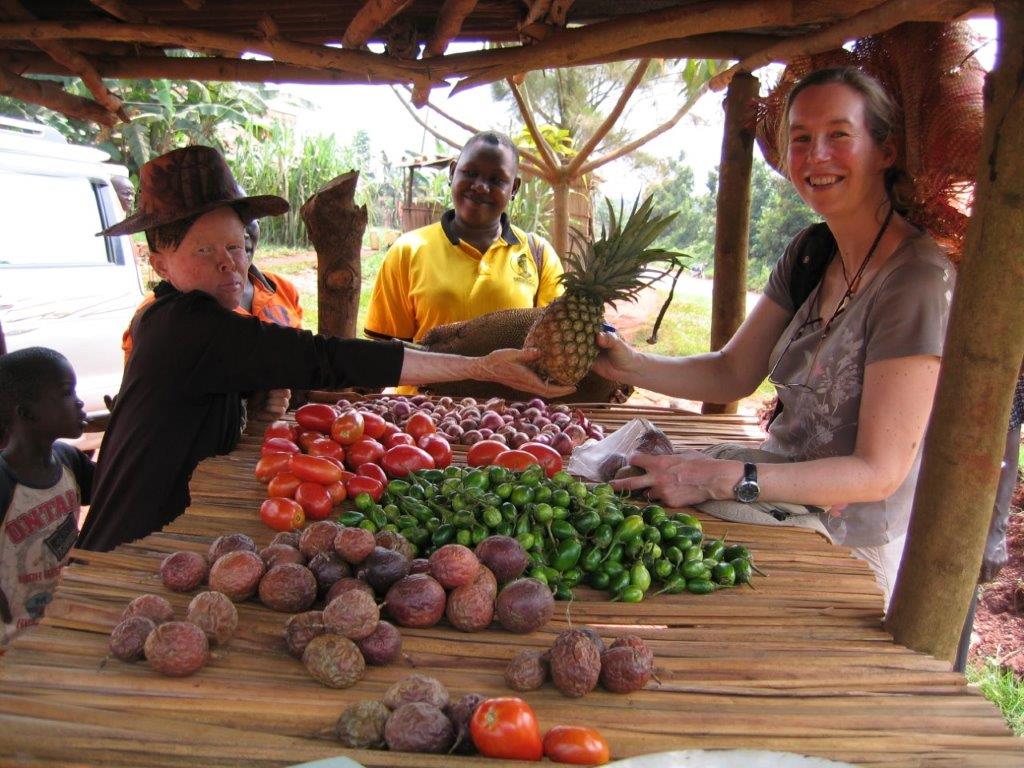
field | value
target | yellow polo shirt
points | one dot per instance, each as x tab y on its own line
430	277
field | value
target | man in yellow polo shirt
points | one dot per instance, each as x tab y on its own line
471	262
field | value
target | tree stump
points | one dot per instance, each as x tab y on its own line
336	226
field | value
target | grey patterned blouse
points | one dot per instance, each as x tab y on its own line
901	312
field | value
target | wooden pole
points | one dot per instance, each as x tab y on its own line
336	226
560	216
984	344
732	219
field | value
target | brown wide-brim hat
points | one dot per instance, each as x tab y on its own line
188	182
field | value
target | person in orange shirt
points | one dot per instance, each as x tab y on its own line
266	295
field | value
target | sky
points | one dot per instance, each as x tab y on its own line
343	110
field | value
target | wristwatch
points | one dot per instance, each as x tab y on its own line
747	490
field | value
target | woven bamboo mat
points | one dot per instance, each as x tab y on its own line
800	664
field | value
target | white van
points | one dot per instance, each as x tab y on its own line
60	285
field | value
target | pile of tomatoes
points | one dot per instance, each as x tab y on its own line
329	455
486	453
507	727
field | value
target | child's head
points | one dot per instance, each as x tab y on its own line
37	395
193	212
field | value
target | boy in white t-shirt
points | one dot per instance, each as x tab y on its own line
43	483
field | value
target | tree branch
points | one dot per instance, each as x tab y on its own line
373	15
120	11
601	39
878	19
436	134
52	96
610	120
449	22
625	149
373	67
550	162
67	56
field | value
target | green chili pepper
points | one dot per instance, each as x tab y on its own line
602	536
618	582
351	519
673	586
591	560
724	574
572	577
742	568
640	577
700	586
443	535
587	522
629	595
598	580
562	529
543	513
568	555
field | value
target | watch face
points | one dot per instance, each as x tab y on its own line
747	491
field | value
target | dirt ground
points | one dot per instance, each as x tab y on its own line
999	622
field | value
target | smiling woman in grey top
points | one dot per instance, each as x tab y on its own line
855	364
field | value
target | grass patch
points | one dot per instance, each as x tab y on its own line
1001	688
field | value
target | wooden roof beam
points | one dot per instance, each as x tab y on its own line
885	16
211	68
121	11
449	22
373	15
571	47
67	56
374	68
52	96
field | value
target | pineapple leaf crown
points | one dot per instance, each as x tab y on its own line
616	266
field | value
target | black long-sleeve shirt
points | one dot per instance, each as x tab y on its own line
179	402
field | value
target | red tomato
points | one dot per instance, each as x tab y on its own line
348	427
440	450
283	485
313	469
278	445
420	424
360	484
363	451
337	491
306	439
575	744
324	446
515	460
389	429
335	461
403	459
546	456
272	464
315	500
373	425
316	416
398	438
369	469
506	727
282	514
283	429
483	453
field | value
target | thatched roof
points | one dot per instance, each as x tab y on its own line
132	38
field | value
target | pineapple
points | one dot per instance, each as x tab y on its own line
610	269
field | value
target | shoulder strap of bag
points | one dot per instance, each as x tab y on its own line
538	259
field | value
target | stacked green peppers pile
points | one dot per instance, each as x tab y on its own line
573	533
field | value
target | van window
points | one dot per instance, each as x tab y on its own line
50	221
